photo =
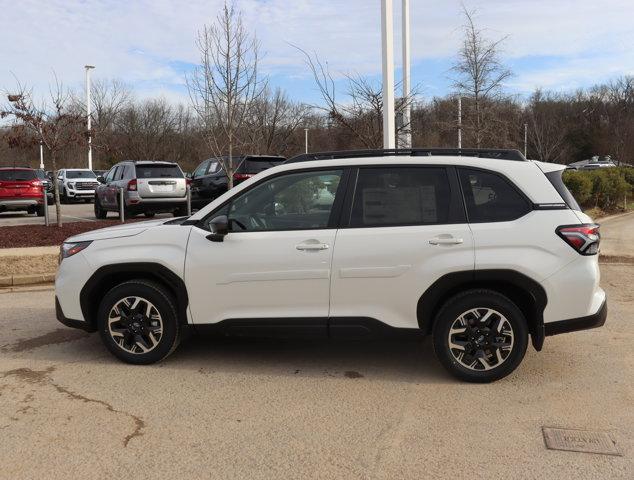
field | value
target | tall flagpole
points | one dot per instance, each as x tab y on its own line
387	44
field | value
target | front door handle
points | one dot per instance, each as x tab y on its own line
446	240
310	246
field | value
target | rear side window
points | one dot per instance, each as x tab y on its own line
257	165
558	183
158	171
17	175
489	197
401	196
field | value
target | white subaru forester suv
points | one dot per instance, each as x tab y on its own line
479	248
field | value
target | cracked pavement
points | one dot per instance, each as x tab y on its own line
272	409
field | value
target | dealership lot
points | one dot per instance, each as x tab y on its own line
273	409
73	212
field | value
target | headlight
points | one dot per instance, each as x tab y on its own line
71	185
70	249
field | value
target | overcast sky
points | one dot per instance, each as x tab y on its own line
554	44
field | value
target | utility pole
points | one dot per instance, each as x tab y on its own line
89	124
405	139
459	121
305	140
387	47
525	139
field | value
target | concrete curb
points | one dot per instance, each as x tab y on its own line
20	280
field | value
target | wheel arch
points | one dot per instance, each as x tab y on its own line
526	293
109	276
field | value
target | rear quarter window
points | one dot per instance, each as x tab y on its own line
555	178
490	197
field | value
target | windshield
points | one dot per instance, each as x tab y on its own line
158	171
80	174
17	175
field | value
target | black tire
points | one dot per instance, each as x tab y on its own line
149	214
469	305
164	304
39	211
100	213
180	212
63	199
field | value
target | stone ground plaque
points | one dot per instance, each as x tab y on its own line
575	440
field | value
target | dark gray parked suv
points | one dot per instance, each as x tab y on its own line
149	187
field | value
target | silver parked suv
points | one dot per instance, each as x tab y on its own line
149	187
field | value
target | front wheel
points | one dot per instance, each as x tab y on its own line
180	212
138	322
480	336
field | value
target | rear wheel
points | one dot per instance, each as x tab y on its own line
40	211
480	336
149	214
138	322
100	213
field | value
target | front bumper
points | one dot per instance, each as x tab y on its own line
69	322
582	323
80	193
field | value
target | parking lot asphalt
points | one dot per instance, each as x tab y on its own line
221	408
73	212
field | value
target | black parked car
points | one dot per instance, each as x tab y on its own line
209	180
48	185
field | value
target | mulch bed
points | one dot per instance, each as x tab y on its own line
40	236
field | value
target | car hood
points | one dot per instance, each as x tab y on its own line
125	230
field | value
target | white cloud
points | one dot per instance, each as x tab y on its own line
137	40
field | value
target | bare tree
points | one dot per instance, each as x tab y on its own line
362	113
479	74
56	124
273	122
225	86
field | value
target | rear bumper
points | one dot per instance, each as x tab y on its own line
582	323
20	204
137	204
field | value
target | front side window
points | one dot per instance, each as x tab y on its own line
296	201
490	197
110	175
201	169
399	196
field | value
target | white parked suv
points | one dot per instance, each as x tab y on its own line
76	184
479	248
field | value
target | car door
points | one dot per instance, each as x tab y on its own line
107	195
406	229
275	262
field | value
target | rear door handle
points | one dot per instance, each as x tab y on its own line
446	240
312	246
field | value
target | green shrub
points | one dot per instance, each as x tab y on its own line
606	188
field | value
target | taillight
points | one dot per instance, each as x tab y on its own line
188	181
242	176
132	185
583	238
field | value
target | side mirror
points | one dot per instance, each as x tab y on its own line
100	179
219	228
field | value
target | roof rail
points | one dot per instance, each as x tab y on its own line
500	154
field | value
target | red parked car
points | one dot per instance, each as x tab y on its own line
21	189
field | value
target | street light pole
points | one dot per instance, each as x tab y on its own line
387	47
459	121
305	140
406	137
88	119
525	138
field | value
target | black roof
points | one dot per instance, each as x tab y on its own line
500	154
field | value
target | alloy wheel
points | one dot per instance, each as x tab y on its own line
135	325
481	339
